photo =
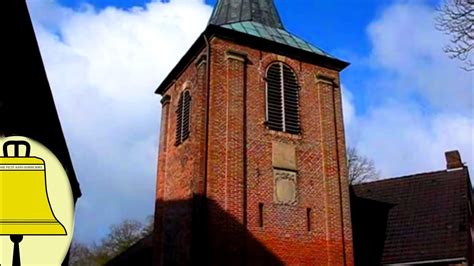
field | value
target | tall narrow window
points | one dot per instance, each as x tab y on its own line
282	99
260	214
182	117
308	219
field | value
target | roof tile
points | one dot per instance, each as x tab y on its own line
416	218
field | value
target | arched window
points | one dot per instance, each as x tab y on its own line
282	99
182	117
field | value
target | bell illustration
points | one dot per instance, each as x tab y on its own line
25	209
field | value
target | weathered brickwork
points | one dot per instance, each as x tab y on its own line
240	171
180	174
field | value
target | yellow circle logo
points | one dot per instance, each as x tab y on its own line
36	204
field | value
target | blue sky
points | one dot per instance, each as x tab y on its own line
405	102
338	26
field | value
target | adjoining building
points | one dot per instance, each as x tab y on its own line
422	219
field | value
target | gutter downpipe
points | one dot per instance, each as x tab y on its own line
453	260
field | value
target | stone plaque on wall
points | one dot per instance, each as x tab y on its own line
284	156
285	187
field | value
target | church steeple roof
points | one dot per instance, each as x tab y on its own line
258	18
257	24
260	11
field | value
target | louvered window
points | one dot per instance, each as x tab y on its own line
182	117
282	99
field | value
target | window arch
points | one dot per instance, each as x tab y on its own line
282	99
183	117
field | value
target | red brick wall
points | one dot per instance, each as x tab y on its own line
239	166
180	176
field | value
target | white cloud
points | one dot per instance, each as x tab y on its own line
403	140
427	100
103	67
406	43
348	109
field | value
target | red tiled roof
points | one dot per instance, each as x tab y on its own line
414	218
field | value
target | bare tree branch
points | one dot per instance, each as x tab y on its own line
81	255
361	169
456	19
120	238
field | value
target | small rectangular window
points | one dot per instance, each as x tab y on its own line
308	219
260	214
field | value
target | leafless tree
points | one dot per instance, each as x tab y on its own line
148	228
120	237
81	255
456	18
361	169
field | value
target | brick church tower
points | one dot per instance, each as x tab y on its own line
251	167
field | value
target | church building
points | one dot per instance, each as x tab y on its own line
252	152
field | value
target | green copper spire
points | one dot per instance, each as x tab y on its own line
260	11
258	18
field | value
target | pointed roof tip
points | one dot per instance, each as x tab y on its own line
260	18
232	11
